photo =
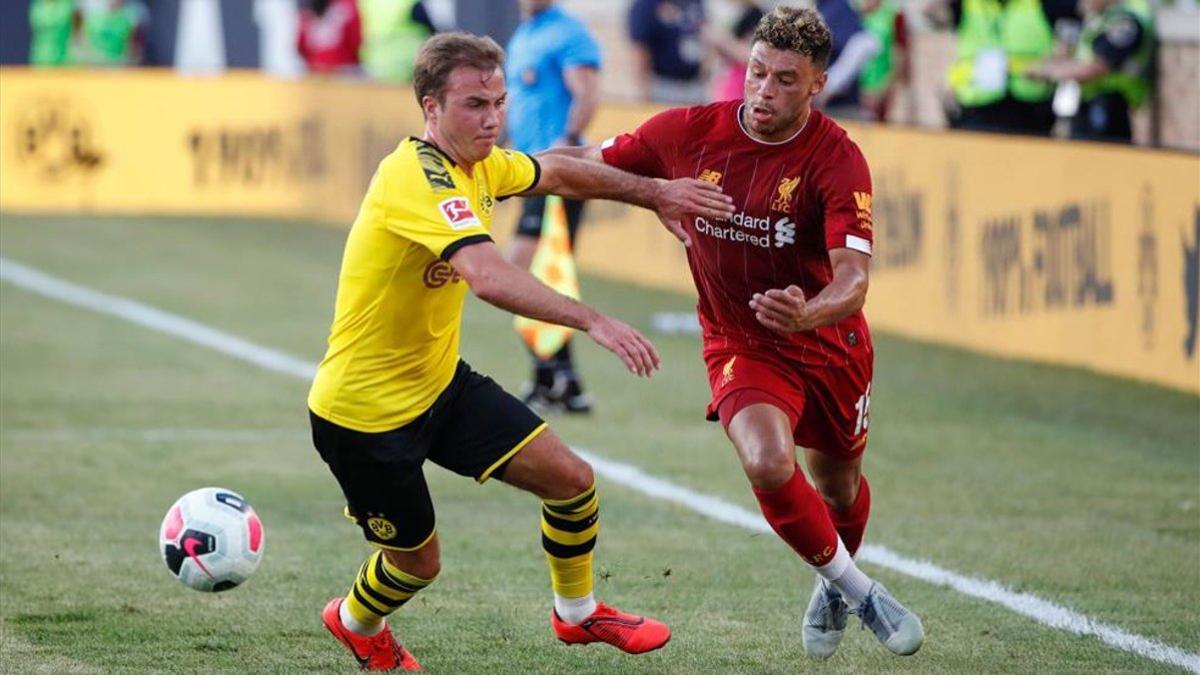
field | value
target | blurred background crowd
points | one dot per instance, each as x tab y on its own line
1111	70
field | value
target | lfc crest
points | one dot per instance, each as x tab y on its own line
783	195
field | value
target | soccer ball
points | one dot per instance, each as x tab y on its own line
211	539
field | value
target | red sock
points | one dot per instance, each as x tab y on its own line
851	524
798	515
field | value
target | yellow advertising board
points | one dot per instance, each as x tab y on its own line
150	141
1079	254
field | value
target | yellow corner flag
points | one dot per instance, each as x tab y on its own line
553	264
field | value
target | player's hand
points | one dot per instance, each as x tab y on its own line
634	350
783	311
675	227
675	199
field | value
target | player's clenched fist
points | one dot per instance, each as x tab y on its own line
785	311
634	350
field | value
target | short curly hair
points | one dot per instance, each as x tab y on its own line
797	30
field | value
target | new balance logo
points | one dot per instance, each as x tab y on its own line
785	232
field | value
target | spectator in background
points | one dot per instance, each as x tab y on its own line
554	88
668	52
393	31
330	36
888	69
997	42
1111	72
112	34
733	48
52	23
853	48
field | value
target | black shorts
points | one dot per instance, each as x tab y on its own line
532	209
473	429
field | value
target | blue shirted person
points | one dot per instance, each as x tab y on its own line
552	73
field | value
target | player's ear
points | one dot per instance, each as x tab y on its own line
818	84
429	105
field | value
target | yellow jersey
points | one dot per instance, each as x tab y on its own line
393	346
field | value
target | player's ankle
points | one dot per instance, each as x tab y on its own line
574	610
843	575
358	627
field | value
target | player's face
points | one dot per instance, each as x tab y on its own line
780	86
471	116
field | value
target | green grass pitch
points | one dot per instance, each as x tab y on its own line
1080	489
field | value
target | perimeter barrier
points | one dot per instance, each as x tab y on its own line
1072	253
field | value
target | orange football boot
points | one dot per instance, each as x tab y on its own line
630	633
373	652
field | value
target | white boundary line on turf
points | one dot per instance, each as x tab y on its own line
1026	604
168	435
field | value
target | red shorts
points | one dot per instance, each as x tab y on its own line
828	407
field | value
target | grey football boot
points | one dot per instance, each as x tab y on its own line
897	628
824	621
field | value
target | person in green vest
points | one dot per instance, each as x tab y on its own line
111	34
1113	66
393	32
998	41
886	70
51	22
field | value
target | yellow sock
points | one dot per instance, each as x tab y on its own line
380	589
569	529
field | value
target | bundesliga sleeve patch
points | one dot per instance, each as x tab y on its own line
458	214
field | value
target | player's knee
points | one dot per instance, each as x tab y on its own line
839	497
579	478
839	492
566	479
425	562
768	467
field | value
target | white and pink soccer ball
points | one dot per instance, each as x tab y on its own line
211	539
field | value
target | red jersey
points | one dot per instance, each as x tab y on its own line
795	199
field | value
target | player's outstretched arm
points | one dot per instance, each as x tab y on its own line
591	153
498	282
575	178
786	310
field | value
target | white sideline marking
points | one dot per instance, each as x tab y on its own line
165	435
1026	604
155	319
